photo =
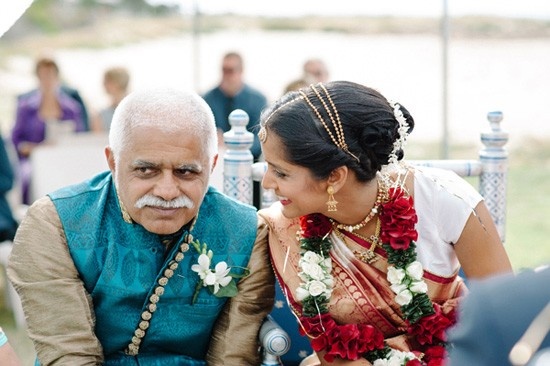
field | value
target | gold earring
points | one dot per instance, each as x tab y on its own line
331	203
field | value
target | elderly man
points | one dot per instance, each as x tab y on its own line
146	264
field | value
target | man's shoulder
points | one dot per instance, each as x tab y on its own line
29	98
212	93
253	92
27	94
70	91
507	291
223	201
89	186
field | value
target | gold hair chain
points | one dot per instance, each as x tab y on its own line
339	140
262	134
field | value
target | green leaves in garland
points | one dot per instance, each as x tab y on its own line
400	258
420	306
318	245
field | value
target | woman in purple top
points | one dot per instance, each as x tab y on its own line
41	115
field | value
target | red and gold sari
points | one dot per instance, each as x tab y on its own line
361	292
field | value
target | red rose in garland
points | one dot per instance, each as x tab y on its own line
315	225
431	329
398	219
317	325
354	341
435	356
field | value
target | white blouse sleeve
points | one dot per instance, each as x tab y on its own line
444	202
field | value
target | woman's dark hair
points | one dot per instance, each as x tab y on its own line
369	126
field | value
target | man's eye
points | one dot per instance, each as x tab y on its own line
185	172
144	171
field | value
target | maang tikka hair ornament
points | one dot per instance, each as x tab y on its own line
262	134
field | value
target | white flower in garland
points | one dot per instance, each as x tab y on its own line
415	270
396	358
405	283
313	271
395	275
403	295
315	275
419	287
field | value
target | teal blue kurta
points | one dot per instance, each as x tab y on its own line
120	265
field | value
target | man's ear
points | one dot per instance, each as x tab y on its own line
338	177
110	158
214	162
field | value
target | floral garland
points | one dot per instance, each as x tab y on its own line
425	320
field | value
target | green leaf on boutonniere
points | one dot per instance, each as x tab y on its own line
228	291
220	281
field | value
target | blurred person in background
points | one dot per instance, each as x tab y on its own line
43	115
115	81
233	93
315	71
8	225
73	93
295	85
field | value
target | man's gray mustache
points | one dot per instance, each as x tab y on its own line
150	200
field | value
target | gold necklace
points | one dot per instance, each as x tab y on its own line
380	197
367	256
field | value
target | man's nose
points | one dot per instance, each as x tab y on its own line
167	187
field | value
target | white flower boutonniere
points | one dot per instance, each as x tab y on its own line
220	281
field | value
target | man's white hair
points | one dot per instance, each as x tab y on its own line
167	109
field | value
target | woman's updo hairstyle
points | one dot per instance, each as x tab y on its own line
367	121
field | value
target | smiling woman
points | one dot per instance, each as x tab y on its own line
349	210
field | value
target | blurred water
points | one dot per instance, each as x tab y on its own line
509	75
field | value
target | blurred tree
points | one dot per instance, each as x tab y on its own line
52	16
